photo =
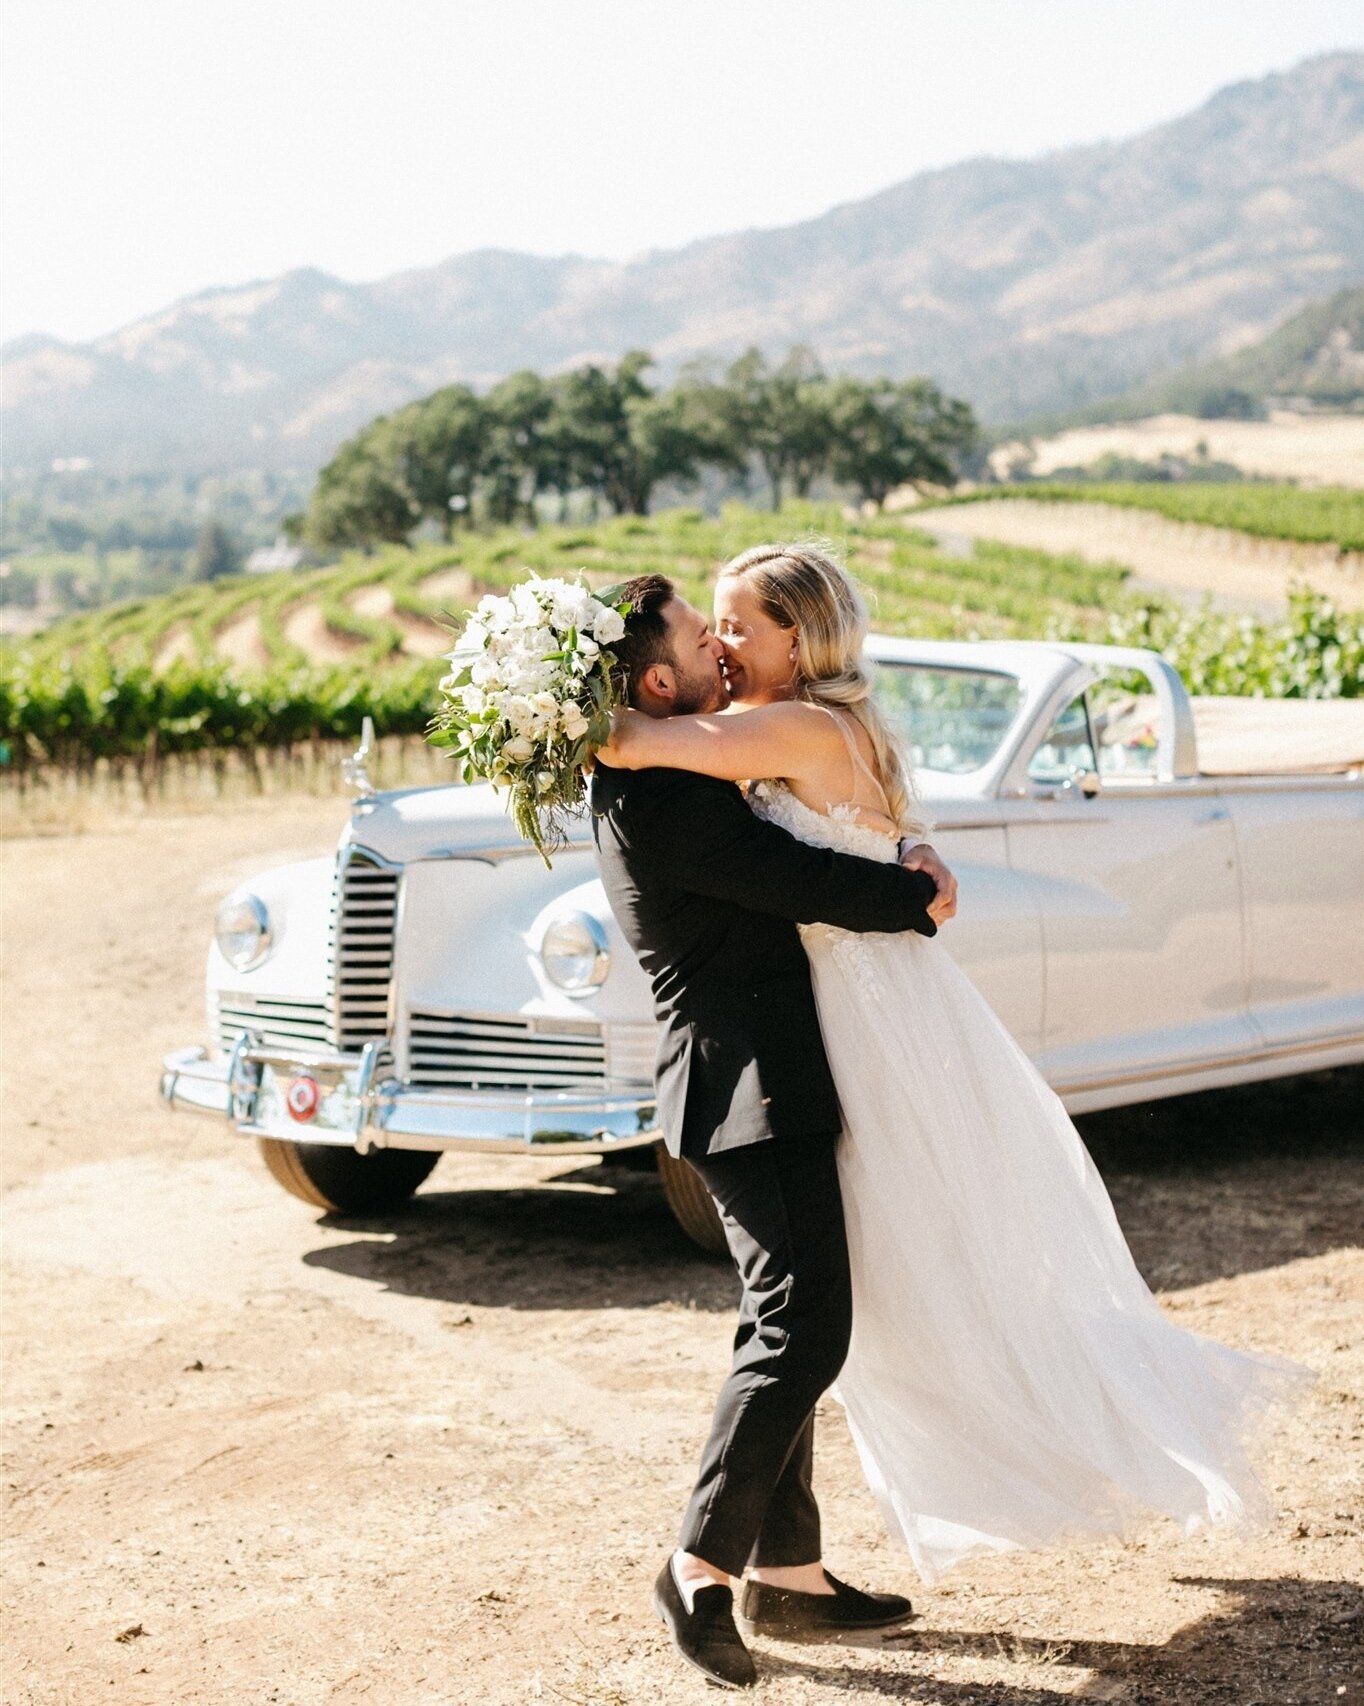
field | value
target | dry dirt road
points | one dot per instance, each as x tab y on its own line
257	1456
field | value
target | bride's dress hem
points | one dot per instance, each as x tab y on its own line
1266	1408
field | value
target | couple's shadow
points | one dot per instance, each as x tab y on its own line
1268	1643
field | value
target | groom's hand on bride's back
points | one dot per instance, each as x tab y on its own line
921	857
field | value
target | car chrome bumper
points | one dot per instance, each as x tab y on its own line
361	1109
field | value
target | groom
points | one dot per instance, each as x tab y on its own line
709	896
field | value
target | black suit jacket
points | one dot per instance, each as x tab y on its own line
709	896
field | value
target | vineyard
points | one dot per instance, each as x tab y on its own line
286	662
1332	515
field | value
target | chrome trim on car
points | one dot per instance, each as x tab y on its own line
500	1052
361	939
354	770
502	853
1155	1074
377	1112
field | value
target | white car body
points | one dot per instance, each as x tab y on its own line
1142	928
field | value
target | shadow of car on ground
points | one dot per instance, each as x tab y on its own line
1206	1187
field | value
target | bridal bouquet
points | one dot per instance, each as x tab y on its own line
529	696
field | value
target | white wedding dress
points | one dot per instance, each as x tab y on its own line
1011	1381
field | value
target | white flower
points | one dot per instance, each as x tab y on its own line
496	613
571	609
484	672
519	749
609	626
575	723
525	599
474	699
587	648
518	711
545	703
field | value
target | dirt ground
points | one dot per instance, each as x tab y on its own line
254	1455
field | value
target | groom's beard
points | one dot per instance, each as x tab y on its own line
697	694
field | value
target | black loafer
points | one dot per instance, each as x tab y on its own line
786	1614
705	1636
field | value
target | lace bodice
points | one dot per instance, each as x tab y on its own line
838	828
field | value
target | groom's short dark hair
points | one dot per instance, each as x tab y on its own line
646	641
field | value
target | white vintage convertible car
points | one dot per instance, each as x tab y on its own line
1145	924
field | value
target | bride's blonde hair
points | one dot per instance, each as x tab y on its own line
803	587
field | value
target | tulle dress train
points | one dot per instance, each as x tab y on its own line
1011	1383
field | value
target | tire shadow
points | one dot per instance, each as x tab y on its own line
591	1237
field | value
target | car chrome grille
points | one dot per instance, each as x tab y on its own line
477	1051
630	1051
360	948
277	1022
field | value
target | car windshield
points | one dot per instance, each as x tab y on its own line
951	720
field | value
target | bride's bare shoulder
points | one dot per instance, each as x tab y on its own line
789	715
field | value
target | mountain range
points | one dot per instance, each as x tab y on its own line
1029	287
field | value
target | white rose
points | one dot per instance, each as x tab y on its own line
587	647
526	602
570	609
609	627
496	613
575	723
484	672
518	750
545	704
518	711
474	700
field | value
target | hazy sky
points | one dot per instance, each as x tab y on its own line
156	147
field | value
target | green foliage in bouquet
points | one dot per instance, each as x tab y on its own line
530	696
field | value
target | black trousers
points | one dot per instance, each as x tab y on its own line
783	1217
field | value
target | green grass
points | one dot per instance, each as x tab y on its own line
1330	515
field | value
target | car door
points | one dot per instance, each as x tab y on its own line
1138	891
1302	850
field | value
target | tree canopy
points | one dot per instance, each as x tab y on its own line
455	458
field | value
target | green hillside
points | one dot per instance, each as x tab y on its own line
998	592
1315	356
273	662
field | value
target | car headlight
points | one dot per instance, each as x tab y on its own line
575	953
242	931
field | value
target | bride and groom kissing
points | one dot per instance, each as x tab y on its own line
914	1219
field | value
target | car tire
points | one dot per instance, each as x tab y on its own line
692	1204
328	1176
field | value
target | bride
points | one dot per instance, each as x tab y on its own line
1011	1381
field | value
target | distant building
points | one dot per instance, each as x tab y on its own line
265	559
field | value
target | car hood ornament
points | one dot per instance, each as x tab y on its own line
353	769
